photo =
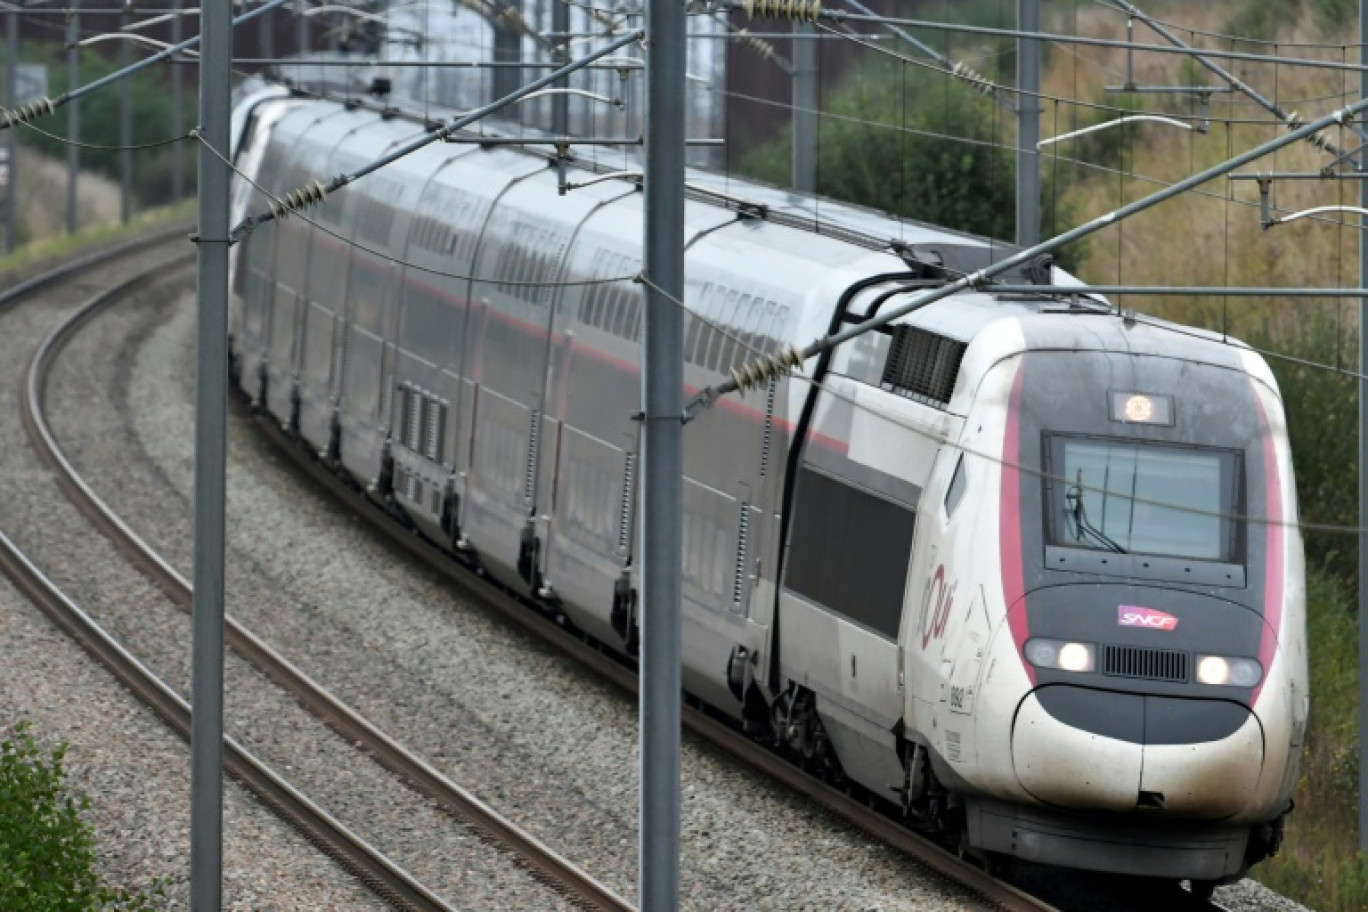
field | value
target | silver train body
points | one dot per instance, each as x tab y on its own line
1004	568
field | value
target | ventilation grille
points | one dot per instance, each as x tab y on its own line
1150	664
625	505
421	422
922	365
739	571
769	430
533	449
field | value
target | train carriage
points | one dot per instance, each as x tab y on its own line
1024	567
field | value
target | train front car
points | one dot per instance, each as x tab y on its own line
1109	661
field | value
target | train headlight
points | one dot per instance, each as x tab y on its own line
1224	671
1061	654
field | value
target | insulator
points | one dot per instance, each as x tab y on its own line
762	48
759	371
25	113
1316	139
797	10
977	80
299	199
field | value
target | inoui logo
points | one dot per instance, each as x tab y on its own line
1151	618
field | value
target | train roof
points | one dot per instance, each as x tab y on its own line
884	243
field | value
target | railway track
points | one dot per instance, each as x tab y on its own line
390	754
386	878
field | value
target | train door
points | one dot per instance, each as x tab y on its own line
850	531
322	304
600	478
590	540
517	253
253	262
371	276
279	307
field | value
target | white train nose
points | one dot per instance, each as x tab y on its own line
1111	769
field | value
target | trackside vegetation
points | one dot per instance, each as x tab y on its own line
47	851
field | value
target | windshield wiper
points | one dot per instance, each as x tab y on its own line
1075	510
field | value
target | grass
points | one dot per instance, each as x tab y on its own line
58	246
1319	864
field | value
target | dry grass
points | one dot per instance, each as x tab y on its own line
42	198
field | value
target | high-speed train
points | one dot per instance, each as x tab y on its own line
1021	565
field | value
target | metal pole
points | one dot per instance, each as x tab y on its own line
301	29
662	399
211	420
267	36
1028	126
1363	464
507	47
73	120
1204	58
125	133
177	116
804	109
560	103
12	143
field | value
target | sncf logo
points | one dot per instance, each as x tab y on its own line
1151	618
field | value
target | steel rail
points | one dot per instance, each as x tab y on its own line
368	864
835	801
541	862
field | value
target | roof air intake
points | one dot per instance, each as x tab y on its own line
922	365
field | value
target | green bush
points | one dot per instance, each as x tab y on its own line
1322	421
897	139
47	852
1319	864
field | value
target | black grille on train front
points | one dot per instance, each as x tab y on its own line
1151	664
922	365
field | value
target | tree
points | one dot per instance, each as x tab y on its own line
913	142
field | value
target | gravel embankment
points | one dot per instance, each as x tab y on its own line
534	735
135	770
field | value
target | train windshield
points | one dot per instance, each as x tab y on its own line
1145	498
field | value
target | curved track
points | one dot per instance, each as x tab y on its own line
385	877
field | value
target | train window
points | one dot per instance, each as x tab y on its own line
1126	496
848	550
955	493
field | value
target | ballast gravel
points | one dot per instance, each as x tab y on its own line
134	769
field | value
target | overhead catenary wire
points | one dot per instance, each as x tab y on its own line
1289	118
838	16
1073	162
